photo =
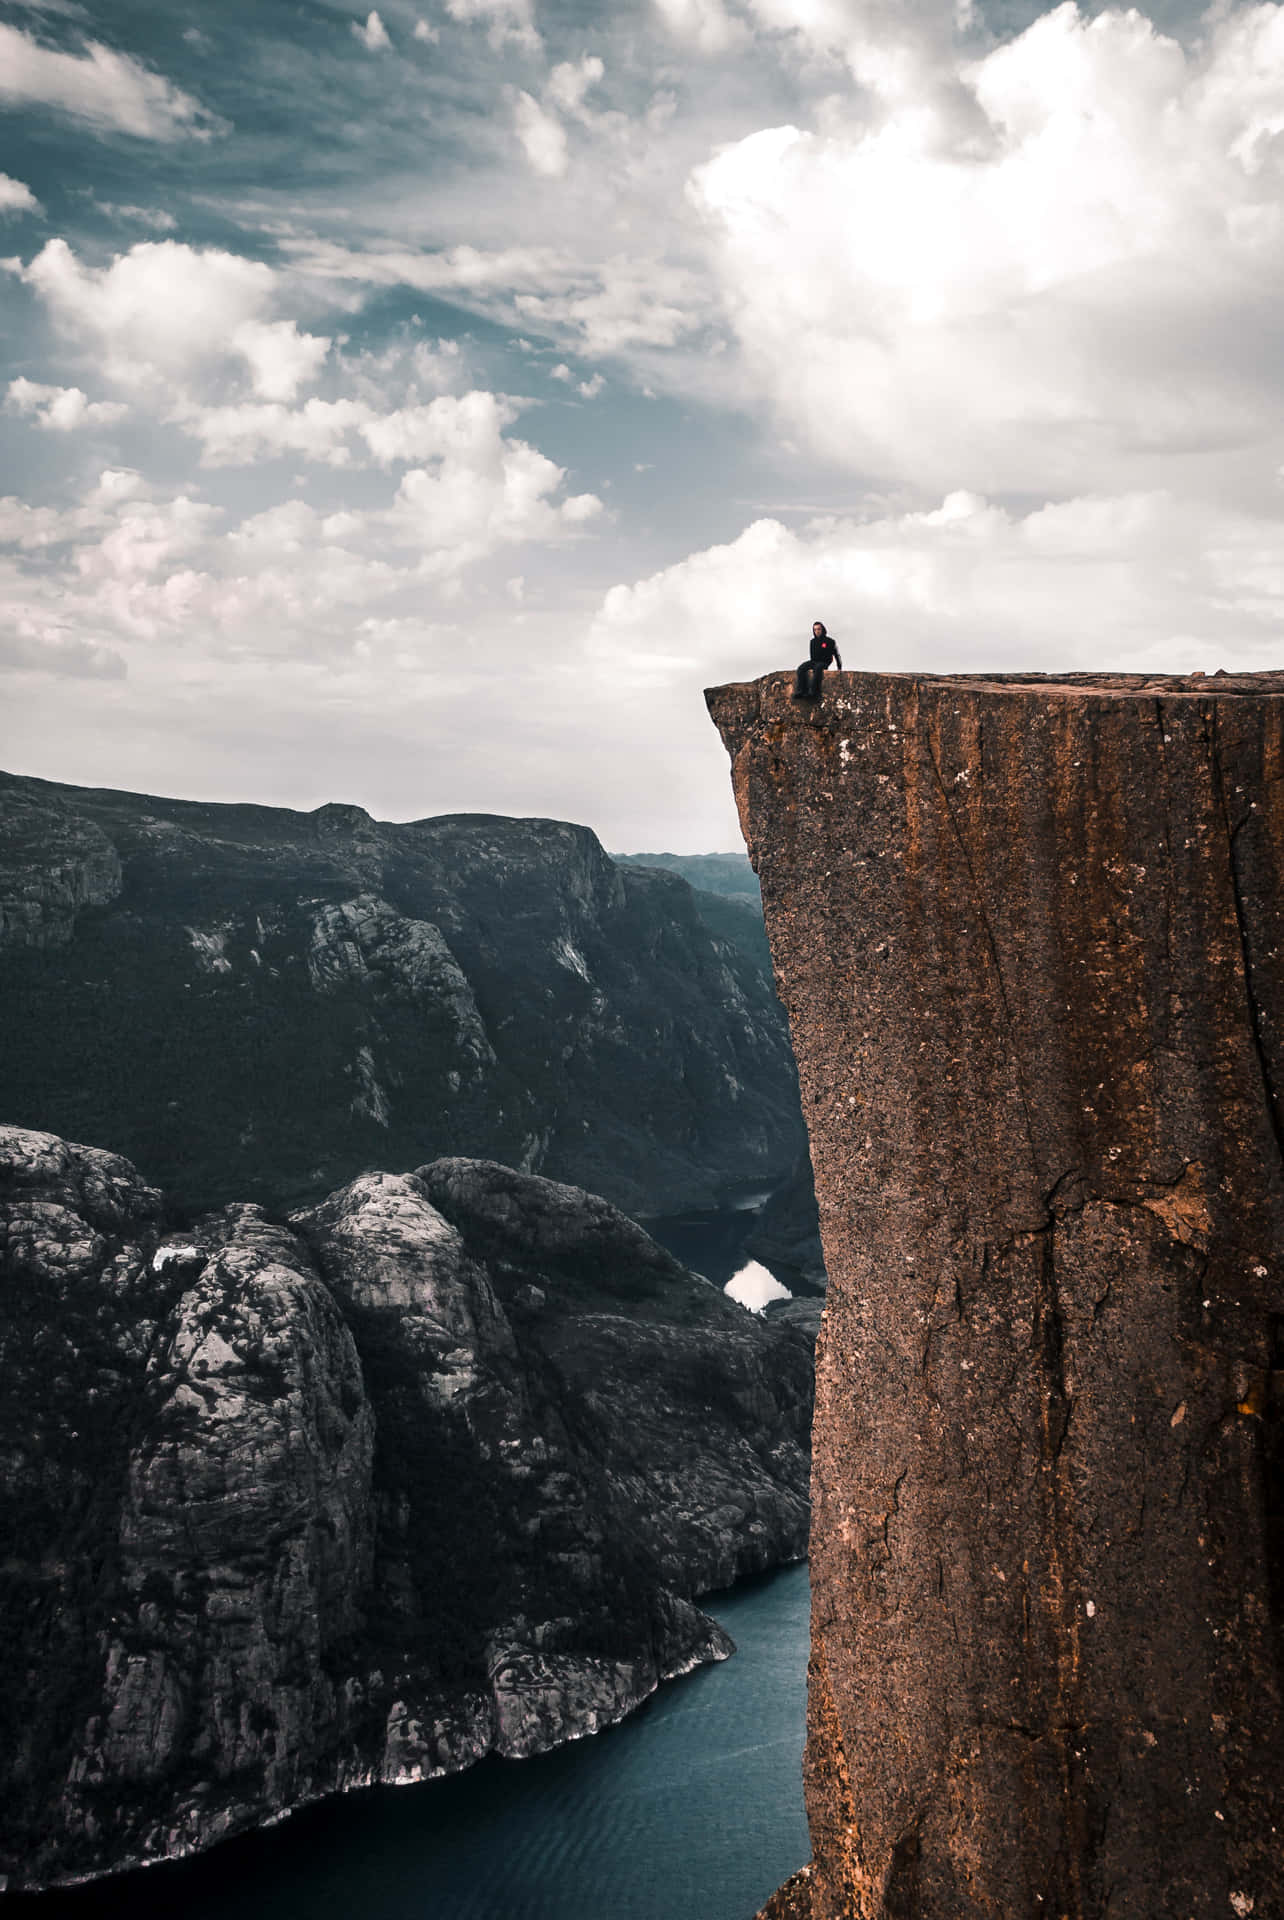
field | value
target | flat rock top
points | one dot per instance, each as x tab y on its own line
1199	685
1108	685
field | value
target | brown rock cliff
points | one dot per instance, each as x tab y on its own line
1028	934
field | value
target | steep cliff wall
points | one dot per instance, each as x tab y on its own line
1028	934
255	1004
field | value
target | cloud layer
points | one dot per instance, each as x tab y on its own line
385	366
1061	296
106	90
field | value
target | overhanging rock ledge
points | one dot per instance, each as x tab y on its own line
1028	933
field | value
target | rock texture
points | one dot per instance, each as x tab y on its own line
53	864
255	1004
434	1470
1028	932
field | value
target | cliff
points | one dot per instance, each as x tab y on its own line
433	1470
255	1004
1028	934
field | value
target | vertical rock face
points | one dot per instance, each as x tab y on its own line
1028	933
53	864
256	1004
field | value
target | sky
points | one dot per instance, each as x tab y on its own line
419	407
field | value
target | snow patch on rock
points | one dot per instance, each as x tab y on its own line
754	1286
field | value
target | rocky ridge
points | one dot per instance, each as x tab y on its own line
1028	933
255	1004
433	1469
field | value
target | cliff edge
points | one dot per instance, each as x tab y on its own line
1028	934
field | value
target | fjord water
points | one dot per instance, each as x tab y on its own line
712	1242
691	1807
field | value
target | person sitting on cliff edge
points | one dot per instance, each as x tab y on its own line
824	650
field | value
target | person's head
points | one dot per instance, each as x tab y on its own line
818	629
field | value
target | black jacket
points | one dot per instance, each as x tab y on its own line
824	652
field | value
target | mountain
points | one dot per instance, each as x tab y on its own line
256	1004
434	1469
729	874
1028	931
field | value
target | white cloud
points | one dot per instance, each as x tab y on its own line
571	80
373	35
115	484
27	645
1051	272
30	528
16	196
402	372
168	310
543	137
61	408
444	428
538	127
599	307
460	269
507	20
239	435
280	358
424	32
149	537
109	91
160	308
704	24
1053	309
627	303
482	491
158	218
905	55
142	569
130	568
1130	582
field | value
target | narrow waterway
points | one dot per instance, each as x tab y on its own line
692	1808
712	1242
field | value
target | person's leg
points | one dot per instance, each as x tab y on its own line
806	681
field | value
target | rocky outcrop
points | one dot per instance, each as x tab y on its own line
434	1470
255	1004
1028	933
53	864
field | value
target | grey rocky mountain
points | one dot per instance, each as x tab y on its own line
435	1469
729	874
256	1004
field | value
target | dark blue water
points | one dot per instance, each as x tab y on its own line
713	1243
691	1808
